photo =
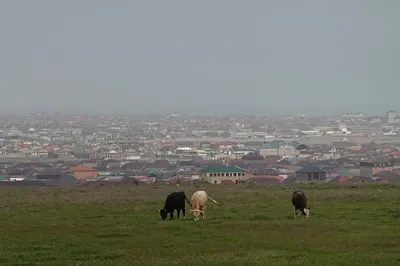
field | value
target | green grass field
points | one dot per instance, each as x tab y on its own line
254	226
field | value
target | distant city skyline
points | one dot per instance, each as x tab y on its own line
339	114
200	57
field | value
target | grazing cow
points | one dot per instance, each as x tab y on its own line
299	202
174	201
199	199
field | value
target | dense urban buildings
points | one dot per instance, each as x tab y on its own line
44	149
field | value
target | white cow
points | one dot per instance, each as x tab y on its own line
199	199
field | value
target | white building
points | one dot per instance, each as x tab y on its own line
391	115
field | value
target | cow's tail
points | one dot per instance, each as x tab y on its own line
190	204
213	200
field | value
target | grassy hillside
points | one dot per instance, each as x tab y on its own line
254	226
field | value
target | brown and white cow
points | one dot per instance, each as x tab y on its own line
199	199
299	201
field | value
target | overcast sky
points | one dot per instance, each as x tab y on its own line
200	57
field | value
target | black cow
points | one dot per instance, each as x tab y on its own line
174	201
299	201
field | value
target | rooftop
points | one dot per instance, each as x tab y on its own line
311	169
222	169
82	168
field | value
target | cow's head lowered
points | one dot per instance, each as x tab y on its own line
196	214
163	214
306	211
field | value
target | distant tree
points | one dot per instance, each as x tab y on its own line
211	134
253	156
88	131
270	129
52	155
257	126
225	134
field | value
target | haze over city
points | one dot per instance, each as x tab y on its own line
200	57
224	132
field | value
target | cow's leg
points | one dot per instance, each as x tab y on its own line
179	212
203	212
171	215
295	212
183	213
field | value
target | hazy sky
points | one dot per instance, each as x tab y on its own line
200	57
